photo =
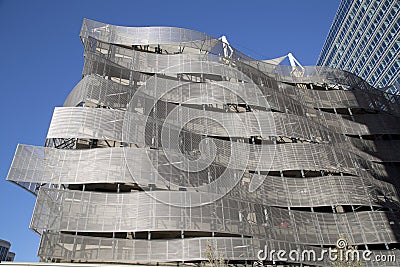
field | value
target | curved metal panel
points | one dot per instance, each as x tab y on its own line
174	140
42	165
88	212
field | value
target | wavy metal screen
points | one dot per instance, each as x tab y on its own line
174	142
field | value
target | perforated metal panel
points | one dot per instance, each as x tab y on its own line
170	145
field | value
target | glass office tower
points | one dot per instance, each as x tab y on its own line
175	145
365	39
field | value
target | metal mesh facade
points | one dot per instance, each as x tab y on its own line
174	141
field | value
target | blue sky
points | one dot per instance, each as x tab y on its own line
41	60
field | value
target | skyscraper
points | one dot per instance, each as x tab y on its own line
175	146
5	253
365	39
4	248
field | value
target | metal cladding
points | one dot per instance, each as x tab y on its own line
174	142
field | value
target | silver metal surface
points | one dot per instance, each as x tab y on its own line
169	146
